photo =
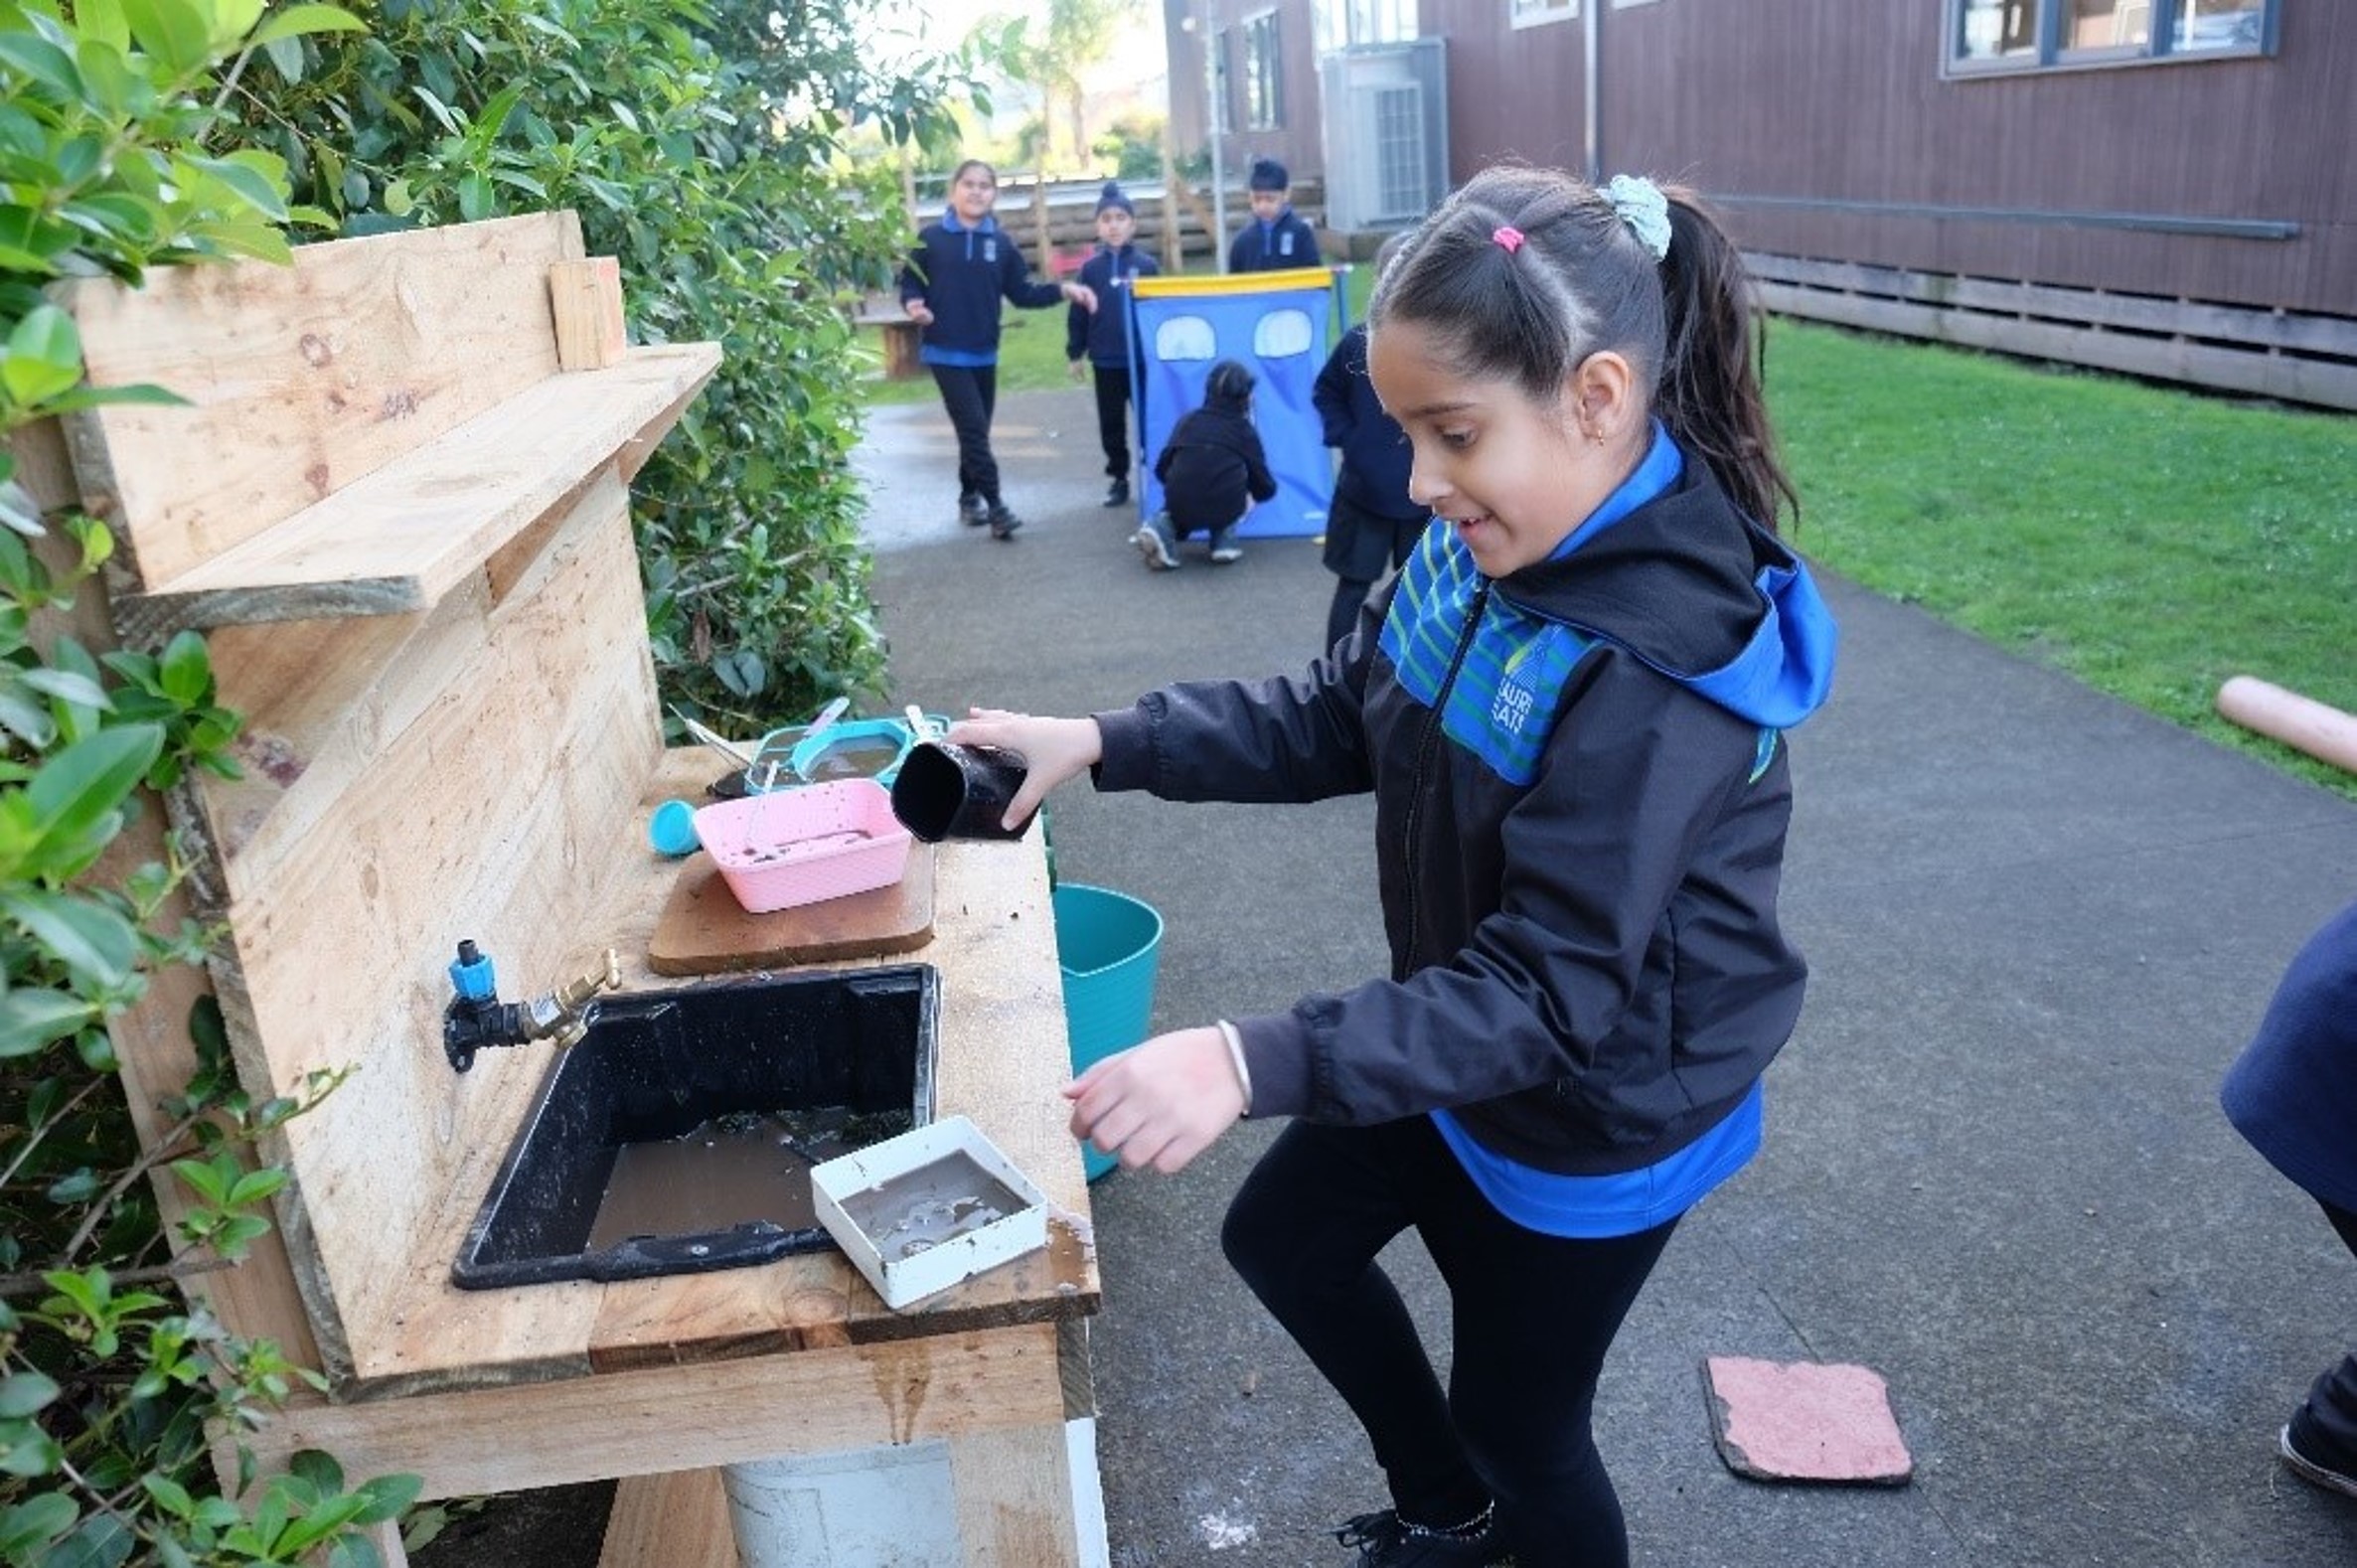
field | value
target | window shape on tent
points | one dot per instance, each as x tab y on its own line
1184	338
1281	334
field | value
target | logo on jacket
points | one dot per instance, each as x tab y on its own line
989	247
1284	244
1510	709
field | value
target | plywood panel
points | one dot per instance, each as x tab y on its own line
488	813
302	379
680	1520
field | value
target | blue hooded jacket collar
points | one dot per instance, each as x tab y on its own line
1684	581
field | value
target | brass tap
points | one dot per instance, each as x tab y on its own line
563	1015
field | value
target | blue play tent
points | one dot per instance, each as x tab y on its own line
1275	323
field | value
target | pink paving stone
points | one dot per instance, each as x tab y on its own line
1802	1420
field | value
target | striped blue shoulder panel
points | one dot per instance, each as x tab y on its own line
1503	704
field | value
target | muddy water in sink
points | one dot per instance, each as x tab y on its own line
730	1171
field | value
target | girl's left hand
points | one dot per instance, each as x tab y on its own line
1162	1103
1082	295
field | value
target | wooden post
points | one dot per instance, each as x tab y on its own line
1040	219
1173	238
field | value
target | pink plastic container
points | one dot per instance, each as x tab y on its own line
805	845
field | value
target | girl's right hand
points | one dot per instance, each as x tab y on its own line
1053	750
918	311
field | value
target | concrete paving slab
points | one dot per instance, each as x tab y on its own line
1805	1421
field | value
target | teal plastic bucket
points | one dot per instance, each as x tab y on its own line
1108	946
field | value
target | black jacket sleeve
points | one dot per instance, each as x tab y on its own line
1257	479
1330	394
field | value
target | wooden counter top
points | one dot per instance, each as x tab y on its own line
1002	1058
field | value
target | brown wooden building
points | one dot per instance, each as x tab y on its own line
2162	187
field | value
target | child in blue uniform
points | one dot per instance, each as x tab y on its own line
1372	521
1103	334
1276	238
960	270
2294	1094
1570	706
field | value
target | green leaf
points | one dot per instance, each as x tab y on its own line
388	1497
24	1393
253	178
175	32
187	670
78	789
101	1541
474	197
96	944
31	1017
41	61
43	356
287	58
67	685
101	22
33	1523
231	21
295	20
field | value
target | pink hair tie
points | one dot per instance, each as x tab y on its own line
1508	236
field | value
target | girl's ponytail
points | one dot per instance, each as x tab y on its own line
1708	394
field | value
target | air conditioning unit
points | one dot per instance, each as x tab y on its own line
1387	129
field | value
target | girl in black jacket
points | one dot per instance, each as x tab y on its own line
1570	706
960	270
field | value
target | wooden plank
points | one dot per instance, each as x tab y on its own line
673	1418
678	1520
2268	375
301	379
586	297
1014	1490
2271	329
397	540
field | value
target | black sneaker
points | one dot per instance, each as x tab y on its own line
1003	521
1117	494
973	511
1386	1541
1226	552
2314	1472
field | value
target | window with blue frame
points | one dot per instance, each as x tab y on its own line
1996	36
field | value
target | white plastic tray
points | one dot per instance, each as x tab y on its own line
920	1212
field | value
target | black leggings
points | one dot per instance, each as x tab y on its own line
1531	1318
971	394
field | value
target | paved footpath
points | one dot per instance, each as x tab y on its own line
2041	923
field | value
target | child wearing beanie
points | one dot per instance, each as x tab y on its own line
1276	237
1102	336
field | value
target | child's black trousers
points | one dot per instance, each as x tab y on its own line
1531	1318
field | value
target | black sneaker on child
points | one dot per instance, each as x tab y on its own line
973	511
1002	523
2316	1470
1117	494
1386	1541
1226	552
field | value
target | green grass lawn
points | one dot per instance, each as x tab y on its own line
2149	542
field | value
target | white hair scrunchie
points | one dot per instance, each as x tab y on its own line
1641	206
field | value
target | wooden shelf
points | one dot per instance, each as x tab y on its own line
396	541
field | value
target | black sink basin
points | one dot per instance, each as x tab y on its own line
677	1135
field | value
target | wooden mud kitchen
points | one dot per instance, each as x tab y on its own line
395	503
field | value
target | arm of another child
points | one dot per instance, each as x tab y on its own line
1257	479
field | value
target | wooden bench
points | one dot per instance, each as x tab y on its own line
900	337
